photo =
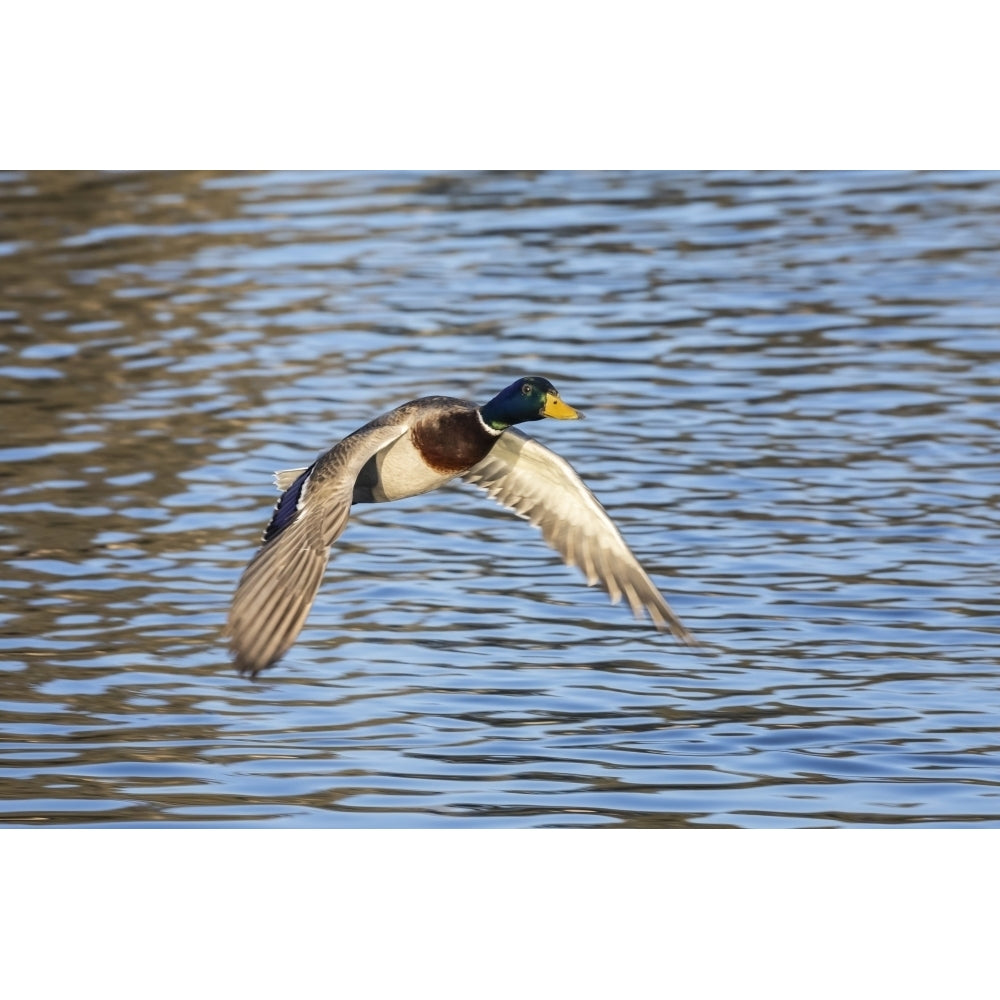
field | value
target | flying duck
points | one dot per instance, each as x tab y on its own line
413	449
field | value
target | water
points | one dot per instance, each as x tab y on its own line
792	386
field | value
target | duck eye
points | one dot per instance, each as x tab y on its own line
526	389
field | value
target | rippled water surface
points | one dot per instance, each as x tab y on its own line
792	384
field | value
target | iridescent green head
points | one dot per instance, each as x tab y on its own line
527	399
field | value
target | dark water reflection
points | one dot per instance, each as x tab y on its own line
793	386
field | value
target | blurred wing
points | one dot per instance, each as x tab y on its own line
277	589
537	484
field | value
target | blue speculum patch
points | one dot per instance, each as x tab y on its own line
287	508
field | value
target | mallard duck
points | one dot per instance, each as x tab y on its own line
413	449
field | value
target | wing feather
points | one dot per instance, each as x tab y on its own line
539	485
278	587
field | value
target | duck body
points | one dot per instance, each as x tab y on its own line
445	438
416	448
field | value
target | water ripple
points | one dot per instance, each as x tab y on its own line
792	390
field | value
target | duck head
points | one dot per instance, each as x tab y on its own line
526	399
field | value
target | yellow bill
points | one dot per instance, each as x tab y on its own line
555	407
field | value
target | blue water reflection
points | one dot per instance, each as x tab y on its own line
791	383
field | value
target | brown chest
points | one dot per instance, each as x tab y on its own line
452	442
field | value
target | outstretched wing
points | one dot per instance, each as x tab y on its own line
537	484
277	589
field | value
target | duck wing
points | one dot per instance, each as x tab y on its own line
277	589
539	485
